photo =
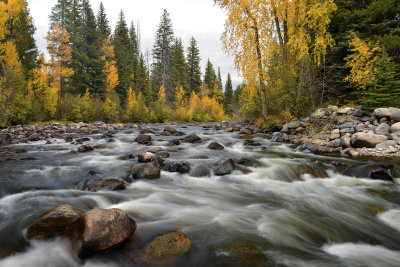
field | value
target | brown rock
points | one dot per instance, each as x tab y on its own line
53	222
143	139
106	184
245	137
215	146
85	149
162	154
145	157
241	254
146	171
367	139
192	138
164	249
34	137
98	229
170	130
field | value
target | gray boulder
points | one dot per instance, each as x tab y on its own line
386	144
367	139
395	128
225	168
385	112
395	116
146	171
382	129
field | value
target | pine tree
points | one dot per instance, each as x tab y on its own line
134	41
161	69
194	71
228	95
221	87
61	13
103	24
124	56
25	42
178	65
142	80
209	75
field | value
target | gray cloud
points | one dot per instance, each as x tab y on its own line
198	18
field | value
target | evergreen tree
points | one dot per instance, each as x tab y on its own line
102	23
385	88
194	71
134	40
61	13
24	41
209	75
142	80
92	49
178	65
228	95
124	56
220	80
161	71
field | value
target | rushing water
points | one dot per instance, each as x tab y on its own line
294	218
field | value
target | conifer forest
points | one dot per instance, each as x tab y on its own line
294	56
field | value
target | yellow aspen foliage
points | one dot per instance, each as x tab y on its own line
110	109
194	101
161	93
179	97
60	53
217	92
87	106
362	62
9	16
131	102
13	102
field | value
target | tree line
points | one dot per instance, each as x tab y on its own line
302	54
95	73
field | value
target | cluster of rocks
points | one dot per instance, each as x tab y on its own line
350	132
96	230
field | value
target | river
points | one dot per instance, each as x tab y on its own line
271	201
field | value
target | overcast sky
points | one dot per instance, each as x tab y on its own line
198	18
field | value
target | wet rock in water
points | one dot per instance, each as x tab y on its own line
145	157
99	229
246	131
154	150
351	152
240	254
127	157
174	142
162	154
69	139
164	249
34	137
146	171
143	139
105	184
215	146
53	222
245	137
367	139
84	148
227	167
179	133
345	141
147	131
170	130
82	140
200	170
382	173
192	138
180	167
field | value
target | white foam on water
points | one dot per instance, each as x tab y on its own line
391	218
365	255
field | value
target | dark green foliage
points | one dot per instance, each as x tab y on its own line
377	20
103	25
25	43
194	71
220	86
178	65
134	41
385	89
61	13
161	69
209	75
124	56
228	95
142	80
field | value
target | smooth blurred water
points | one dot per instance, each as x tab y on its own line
294	218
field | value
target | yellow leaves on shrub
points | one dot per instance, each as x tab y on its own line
362	62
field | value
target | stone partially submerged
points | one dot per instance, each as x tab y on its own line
164	249
367	139
99	229
240	254
53	222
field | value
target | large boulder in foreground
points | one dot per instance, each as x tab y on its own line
240	254
53	222
105	184
97	230
367	139
146	171
164	249
385	112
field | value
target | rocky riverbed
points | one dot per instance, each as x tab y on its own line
220	194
